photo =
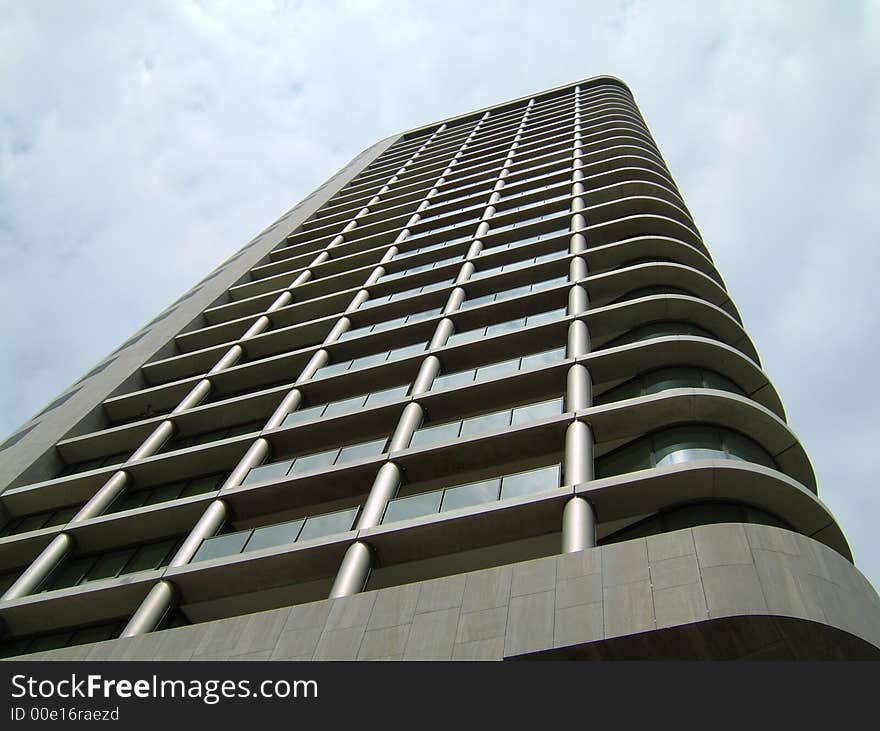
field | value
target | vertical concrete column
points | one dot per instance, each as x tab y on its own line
578	454
578	516
40	568
578	525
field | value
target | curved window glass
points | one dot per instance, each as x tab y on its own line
650	291
694	514
666	378
662	329
682	444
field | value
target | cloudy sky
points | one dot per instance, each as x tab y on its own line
142	143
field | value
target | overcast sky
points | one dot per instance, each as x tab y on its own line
143	143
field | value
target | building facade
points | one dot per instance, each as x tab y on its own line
483	395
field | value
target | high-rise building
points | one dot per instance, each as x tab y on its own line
481	395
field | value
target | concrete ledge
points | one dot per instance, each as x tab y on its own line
726	591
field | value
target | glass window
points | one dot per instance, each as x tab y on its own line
228	544
672	378
200	485
542	317
526	483
548	283
274	535
266	472
468	336
318	526
344	406
110	564
389	324
31	522
630	458
485	423
387	395
630	389
62	516
499	328
69	573
151	556
475	493
332	369
451	380
716	380
515	291
496	370
743	448
435	434
309	412
310	462
164	493
414	506
407	350
129	501
363	450
546	357
687	443
369	360
477	301
534	412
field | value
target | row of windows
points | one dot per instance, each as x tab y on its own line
170	491
513	292
83	569
666	378
644	384
364	361
474	493
498	369
650	331
184	442
499	328
280	534
422	267
403	294
679	445
389	324
521	264
346	405
315	461
495	420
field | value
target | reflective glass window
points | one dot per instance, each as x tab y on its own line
151	556
485	423
345	406
475	493
304	414
363	450
228	544
535	412
266	472
451	380
387	395
318	526
414	506
496	370
311	462
268	536
531	481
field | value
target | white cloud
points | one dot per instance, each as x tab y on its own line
140	144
